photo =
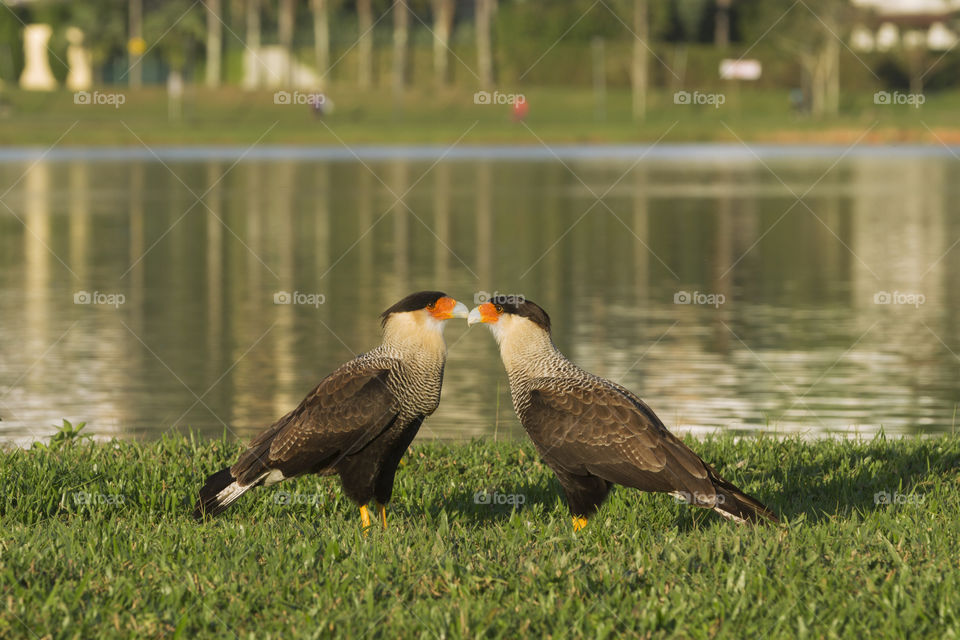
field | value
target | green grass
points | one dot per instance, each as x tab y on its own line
557	115
132	563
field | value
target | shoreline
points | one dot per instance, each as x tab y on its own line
706	152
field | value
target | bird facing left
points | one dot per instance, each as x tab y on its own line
359	420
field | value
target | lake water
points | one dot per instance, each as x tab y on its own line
824	284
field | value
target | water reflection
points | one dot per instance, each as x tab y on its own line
799	251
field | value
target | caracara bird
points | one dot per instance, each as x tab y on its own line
359	420
594	433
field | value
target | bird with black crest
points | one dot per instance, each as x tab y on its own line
359	420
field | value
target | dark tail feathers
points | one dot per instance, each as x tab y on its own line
210	502
224	487
737	505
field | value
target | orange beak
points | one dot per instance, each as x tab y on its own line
486	312
446	308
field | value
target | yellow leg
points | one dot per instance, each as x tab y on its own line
364	516
579	522
382	508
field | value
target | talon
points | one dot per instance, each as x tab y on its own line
579	522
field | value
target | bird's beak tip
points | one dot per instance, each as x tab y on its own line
474	317
459	311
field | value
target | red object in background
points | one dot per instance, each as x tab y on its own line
520	109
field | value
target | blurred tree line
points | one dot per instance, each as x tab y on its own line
479	43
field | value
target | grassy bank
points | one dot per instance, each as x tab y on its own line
557	115
96	541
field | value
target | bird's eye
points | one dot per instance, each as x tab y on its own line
431	306
499	308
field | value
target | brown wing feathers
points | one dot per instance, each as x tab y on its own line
603	431
344	413
341	415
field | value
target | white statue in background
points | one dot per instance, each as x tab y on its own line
37	75
80	77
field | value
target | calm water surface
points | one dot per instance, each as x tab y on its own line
824	288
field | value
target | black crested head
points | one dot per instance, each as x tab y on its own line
413	302
520	306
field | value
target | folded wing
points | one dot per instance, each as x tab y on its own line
602	430
342	415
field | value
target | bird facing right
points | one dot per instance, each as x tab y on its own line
360	419
592	432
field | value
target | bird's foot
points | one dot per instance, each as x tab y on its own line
579	522
365	518
382	508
